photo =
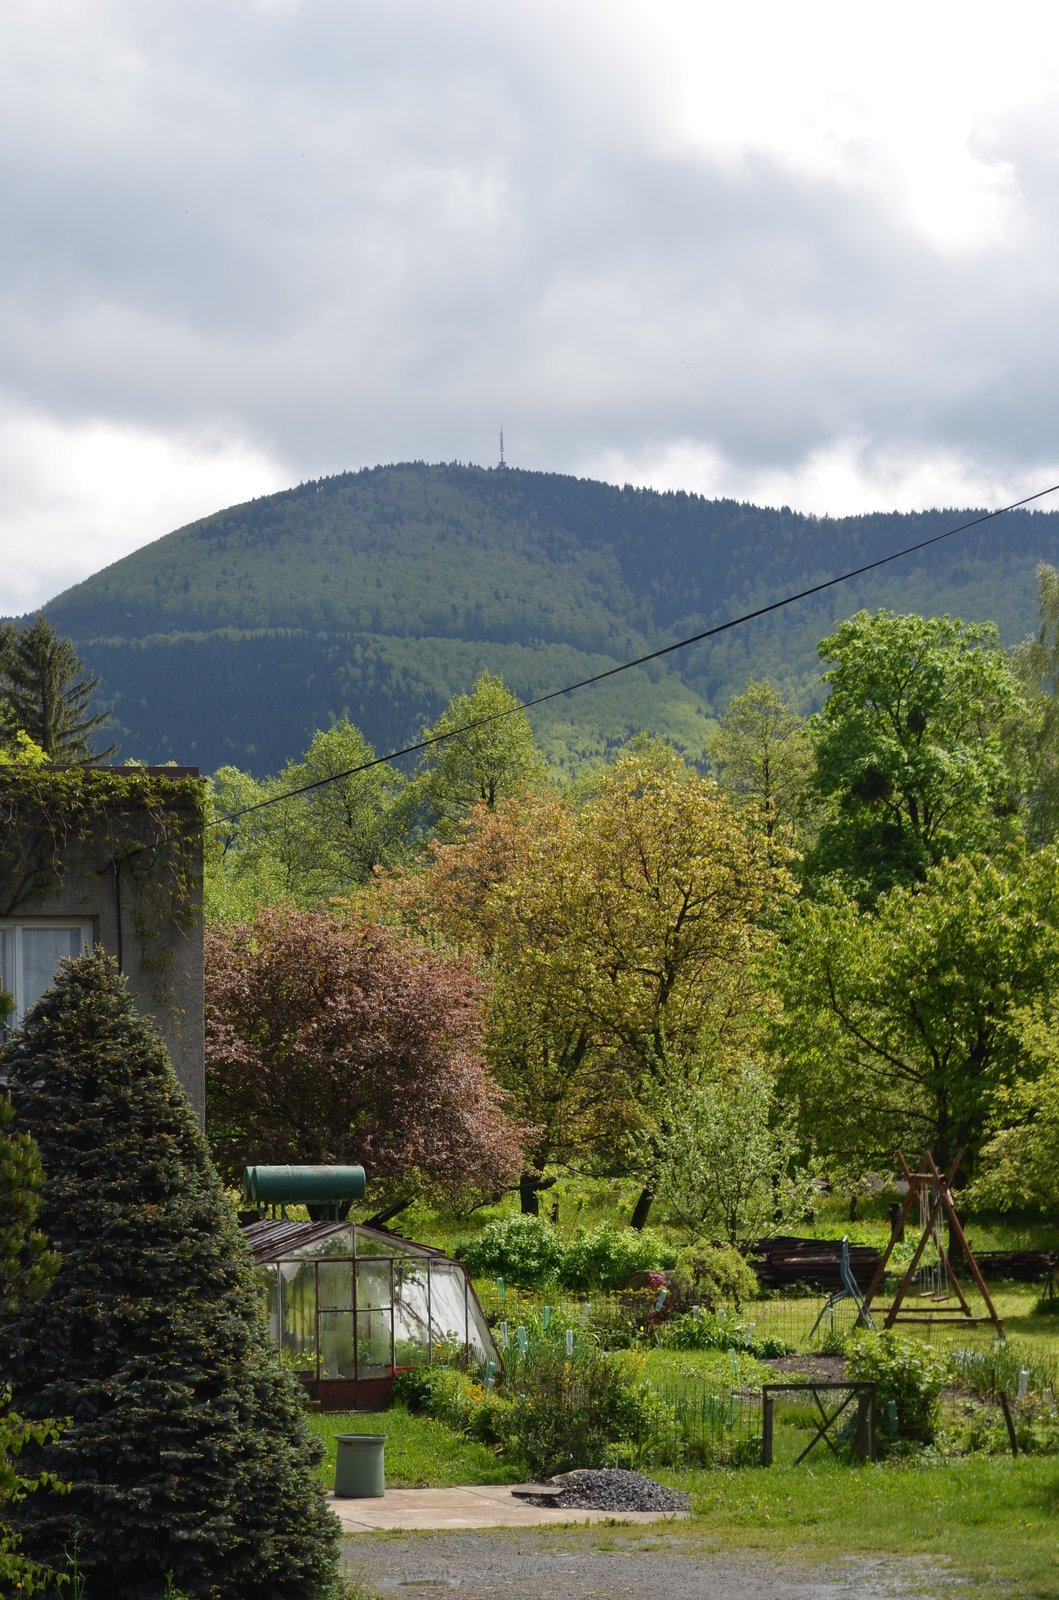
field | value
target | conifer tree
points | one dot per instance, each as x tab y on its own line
187	1450
26	1268
46	695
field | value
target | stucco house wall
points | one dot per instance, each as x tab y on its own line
121	883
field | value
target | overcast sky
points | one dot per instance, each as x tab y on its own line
801	254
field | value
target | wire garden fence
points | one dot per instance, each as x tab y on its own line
949	1394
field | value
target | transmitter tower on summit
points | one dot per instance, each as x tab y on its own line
501	465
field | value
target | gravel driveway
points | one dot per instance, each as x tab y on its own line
608	1563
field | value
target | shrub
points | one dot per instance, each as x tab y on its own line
414	1387
187	1446
521	1250
453	1397
698	1329
905	1371
587	1412
984	1430
604	1257
716	1275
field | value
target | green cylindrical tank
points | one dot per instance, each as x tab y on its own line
360	1465
303	1185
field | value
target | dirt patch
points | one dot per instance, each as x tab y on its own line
821	1369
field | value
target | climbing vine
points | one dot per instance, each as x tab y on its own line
140	824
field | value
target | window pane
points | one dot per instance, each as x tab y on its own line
42	950
7	974
7	960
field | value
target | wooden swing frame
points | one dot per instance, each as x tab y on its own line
941	1205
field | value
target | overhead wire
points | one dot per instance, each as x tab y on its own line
637	661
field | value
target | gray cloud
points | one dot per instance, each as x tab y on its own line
334	234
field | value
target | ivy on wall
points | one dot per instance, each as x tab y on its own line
140	825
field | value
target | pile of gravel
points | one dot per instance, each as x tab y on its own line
609	1489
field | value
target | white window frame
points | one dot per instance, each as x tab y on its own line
12	974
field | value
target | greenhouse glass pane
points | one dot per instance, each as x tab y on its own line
411	1304
298	1321
336	1285
373	1284
373	1344
336	1344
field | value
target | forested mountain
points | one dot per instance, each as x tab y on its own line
381	593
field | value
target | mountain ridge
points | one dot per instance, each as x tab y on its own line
380	593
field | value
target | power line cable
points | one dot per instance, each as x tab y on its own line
638	661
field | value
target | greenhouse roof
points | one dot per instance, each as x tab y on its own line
272	1241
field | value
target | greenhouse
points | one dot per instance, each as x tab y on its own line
351	1305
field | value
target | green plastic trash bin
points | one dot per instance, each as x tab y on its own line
360	1468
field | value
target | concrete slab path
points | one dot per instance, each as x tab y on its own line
478	1506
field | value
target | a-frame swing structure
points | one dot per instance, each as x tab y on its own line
931	1191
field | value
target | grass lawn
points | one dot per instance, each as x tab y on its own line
995	1522
420	1453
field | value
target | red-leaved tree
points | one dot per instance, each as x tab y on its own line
333	1042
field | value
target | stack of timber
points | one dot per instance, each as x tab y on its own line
1022	1266
785	1260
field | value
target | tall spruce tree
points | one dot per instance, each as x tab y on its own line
45	693
187	1450
26	1268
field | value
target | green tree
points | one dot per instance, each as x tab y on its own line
1037	665
641	918
540	1051
319	829
487	752
725	1158
914	762
1020	1163
187	1449
27	1267
897	1025
619	928
47	696
22	751
761	756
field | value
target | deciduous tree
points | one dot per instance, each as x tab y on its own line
487	753
1020	1162
333	1042
912	759
1037	664
726	1158
620	929
314	832
644	918
761	756
540	1051
897	1025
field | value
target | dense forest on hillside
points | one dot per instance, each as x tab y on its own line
379	594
